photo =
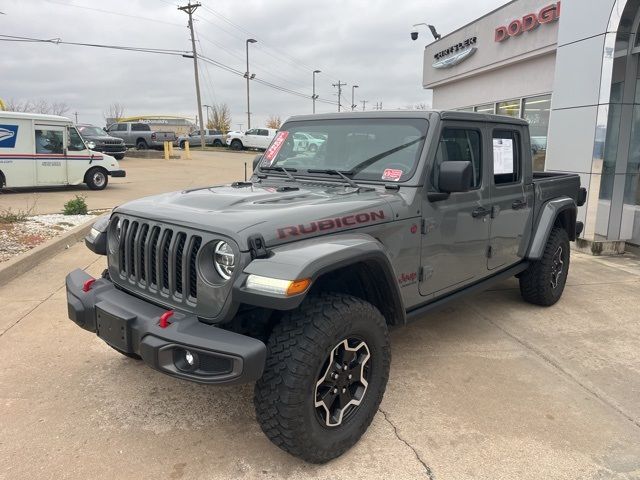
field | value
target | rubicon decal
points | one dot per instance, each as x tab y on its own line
8	135
330	224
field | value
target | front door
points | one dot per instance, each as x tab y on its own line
511	197
51	163
455	230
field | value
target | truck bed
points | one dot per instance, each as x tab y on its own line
549	185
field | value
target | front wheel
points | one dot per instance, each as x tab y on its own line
97	179
543	282
236	145
142	145
326	372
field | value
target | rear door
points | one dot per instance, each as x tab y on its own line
455	236
251	138
50	154
511	197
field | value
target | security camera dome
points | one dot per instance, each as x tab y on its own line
414	35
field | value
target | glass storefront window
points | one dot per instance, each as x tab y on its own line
511	108
536	111
487	108
630	227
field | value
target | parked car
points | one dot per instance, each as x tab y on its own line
211	137
295	280
140	135
258	138
102	141
47	150
307	142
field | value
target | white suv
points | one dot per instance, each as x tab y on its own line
254	138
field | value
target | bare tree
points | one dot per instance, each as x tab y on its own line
417	106
37	106
115	111
221	117
274	121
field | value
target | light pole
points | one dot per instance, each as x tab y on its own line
314	96
208	107
249	77
353	98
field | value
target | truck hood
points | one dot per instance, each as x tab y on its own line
278	214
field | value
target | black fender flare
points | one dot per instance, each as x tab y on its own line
314	258
547	217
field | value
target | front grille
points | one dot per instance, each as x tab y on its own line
158	259
113	142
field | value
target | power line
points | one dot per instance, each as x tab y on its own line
111	12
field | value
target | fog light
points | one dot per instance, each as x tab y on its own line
185	360
188	356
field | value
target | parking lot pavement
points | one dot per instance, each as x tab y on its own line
491	388
145	176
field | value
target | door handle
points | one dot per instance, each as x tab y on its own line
480	212
518	204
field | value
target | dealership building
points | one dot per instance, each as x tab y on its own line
572	69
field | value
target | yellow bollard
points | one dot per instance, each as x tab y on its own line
187	152
170	149
166	150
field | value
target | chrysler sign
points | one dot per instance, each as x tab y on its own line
455	54
528	22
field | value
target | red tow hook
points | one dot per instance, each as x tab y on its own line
164	319
86	286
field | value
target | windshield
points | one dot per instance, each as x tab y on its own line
91	131
379	149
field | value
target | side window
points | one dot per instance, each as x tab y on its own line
459	144
122	127
140	127
250	132
506	157
263	132
75	141
49	141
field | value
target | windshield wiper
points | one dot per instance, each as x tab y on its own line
287	171
332	171
370	161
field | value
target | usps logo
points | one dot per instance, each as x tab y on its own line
8	135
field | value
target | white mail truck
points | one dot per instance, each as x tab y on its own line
46	150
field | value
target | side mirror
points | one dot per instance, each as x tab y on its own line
256	161
455	176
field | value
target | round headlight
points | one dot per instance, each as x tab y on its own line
224	260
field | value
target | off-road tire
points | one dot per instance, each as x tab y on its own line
97	178
298	349
536	282
236	145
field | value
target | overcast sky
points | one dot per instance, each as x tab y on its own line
356	41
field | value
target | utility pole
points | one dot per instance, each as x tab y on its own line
339	85
353	98
313	95
76	114
378	106
364	102
189	9
240	126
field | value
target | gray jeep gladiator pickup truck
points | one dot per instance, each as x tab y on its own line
292	279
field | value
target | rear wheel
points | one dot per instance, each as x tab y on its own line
97	178
217	143
326	372
142	145
236	145
543	282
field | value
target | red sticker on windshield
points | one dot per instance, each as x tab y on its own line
392	174
272	152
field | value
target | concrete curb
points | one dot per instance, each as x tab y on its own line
29	259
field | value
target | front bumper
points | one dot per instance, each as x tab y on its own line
132	325
117	173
